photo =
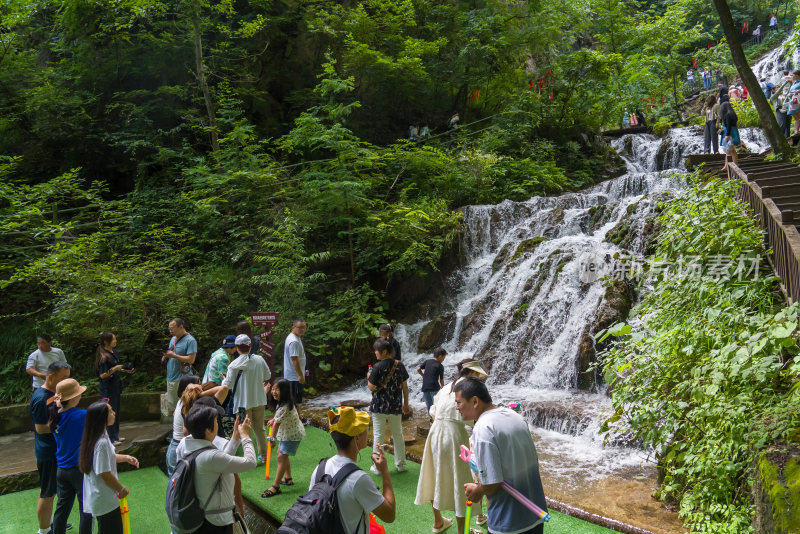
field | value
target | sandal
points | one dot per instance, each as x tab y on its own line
287	481
271	492
481	519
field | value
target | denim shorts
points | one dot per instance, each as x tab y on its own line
289	448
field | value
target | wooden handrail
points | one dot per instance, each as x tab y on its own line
781	233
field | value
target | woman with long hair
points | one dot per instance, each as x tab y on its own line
710	115
97	460
108	367
66	423
189	390
442	473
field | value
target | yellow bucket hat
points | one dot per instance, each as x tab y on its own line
350	423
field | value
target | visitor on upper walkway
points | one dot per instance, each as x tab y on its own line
757	34
706	79
731	140
220	359
102	489
214	479
710	133
387	382
424	132
443	474
40	359
504	451
66	423
454	121
626	119
294	359
432	373
44	443
780	103
773	22
794	101
246	377
357	495
641	117
180	356
108	368
386	331
690	79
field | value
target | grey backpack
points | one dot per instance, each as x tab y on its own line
184	511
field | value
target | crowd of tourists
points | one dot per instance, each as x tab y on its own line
218	415
721	120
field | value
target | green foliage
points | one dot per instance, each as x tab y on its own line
747	114
662	126
705	381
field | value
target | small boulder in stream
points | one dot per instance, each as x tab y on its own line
436	332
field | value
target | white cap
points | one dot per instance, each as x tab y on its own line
243	339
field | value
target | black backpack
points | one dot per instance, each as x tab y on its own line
184	511
317	512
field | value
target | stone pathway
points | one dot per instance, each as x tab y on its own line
16	450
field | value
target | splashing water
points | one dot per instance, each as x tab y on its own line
519	305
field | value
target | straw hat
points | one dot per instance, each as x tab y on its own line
67	390
475	366
351	422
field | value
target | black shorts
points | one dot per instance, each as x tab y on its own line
297	391
47	478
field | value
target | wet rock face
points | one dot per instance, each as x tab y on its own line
436	332
615	307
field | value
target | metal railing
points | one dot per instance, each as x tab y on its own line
781	233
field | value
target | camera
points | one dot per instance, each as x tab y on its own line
127	366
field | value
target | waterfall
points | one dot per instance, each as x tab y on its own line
520	304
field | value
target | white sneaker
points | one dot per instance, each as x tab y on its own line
374	470
118	442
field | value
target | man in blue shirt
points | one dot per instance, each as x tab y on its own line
180	356
45	443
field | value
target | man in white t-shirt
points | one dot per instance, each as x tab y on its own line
357	496
245	379
294	360
504	451
40	359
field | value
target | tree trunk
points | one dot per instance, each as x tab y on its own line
201	77
765	113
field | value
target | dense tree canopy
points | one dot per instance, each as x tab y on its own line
211	158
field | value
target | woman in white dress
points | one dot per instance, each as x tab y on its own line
443	474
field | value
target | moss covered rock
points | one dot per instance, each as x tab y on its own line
436	332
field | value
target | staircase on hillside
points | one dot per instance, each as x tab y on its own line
772	189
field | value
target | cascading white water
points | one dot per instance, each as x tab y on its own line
772	65
524	316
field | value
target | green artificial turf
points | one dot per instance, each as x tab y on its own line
148	488
146	502
409	517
